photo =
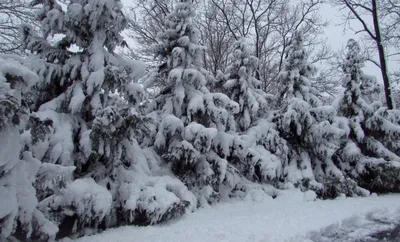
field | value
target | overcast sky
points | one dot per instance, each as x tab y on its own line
337	38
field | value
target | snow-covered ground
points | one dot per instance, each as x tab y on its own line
377	225
290	217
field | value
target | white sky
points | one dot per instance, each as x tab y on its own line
337	38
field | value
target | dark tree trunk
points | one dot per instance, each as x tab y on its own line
382	57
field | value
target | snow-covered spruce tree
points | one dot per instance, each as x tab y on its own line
19	216
196	136
371	154
313	132
142	192
268	152
371	90
242	87
264	148
65	102
88	116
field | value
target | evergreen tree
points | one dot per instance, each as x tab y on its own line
269	152
371	90
262	146
371	153
19	215
88	115
197	134
242	87
313	132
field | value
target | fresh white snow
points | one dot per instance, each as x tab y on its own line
290	217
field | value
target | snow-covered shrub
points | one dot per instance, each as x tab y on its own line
381	178
83	204
19	216
154	200
334	187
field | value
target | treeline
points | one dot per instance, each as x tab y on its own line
90	140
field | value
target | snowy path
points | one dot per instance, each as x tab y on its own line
378	225
287	218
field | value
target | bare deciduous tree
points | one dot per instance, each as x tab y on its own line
215	36
390	27
12	14
379	19
146	21
267	24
